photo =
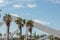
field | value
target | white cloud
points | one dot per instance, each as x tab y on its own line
18	6
24	0
42	22
4	3
27	0
1	1
32	5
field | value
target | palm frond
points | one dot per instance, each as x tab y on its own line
29	23
7	17
18	20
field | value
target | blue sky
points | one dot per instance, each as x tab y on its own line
45	11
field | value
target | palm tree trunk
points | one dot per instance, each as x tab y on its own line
30	35
20	33
7	33
19	26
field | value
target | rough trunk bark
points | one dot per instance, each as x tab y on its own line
20	33
31	32
7	33
30	35
19	26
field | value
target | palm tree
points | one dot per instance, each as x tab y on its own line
7	19
20	23
29	24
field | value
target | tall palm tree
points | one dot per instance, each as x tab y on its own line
20	23
29	24
7	19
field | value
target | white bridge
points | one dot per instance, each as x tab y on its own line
42	28
47	29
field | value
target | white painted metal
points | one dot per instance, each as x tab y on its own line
14	16
15	32
47	29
